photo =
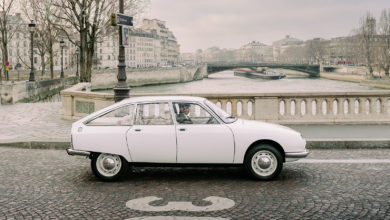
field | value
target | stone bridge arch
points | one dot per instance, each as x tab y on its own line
311	70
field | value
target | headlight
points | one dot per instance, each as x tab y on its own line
71	142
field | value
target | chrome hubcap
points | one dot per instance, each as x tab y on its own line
108	163
264	163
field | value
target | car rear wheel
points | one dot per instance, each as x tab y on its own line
108	167
263	162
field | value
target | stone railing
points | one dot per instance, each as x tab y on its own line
25	91
298	108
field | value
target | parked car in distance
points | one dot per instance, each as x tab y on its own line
184	131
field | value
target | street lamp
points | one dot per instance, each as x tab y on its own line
62	44
31	27
121	90
77	62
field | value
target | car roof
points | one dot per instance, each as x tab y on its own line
162	98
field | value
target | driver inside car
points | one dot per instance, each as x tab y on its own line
184	114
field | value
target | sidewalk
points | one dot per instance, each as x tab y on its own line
39	125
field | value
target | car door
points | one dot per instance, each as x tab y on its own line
107	132
152	139
202	138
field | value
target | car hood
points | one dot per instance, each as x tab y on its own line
262	124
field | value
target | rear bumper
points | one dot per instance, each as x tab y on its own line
72	152
293	156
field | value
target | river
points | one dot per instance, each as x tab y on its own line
226	82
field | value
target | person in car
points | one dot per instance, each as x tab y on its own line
184	114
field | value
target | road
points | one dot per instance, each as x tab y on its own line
329	184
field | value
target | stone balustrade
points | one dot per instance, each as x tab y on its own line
371	106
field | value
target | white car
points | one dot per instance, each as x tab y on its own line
181	130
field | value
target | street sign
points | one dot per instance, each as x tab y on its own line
121	20
7	63
125	36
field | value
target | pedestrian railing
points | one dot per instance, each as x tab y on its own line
371	106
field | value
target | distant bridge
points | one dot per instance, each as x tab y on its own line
312	70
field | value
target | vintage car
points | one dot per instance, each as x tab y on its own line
184	131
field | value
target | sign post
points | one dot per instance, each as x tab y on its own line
121	89
125	36
121	20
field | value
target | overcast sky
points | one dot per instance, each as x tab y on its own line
200	24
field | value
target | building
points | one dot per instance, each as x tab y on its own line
255	52
19	55
18	43
152	45
170	49
282	45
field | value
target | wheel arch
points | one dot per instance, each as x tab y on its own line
95	154
270	142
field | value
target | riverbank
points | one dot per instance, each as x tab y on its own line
380	83
354	76
103	79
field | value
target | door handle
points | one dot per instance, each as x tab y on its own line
137	129
182	129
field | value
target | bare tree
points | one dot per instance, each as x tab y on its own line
7	31
43	13
295	54
384	41
90	18
317	50
367	32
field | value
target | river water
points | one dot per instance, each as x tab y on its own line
226	82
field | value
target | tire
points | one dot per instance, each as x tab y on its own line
263	162
108	167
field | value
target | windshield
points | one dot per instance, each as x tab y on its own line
221	113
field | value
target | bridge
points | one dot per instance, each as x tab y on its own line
311	70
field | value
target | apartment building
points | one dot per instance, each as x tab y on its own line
152	45
170	49
280	46
19	50
256	52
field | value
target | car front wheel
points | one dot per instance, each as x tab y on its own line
108	167
263	162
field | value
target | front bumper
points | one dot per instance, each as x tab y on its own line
293	156
72	152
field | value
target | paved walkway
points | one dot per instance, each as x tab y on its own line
24	122
41	122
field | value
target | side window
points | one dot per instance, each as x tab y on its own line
153	114
123	116
190	113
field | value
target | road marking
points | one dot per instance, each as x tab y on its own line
142	204
175	218
343	161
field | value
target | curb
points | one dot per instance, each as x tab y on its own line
310	144
37	145
347	144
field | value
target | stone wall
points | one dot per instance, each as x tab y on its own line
104	79
19	91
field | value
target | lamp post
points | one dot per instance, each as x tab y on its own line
31	26
62	43
121	89
77	62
